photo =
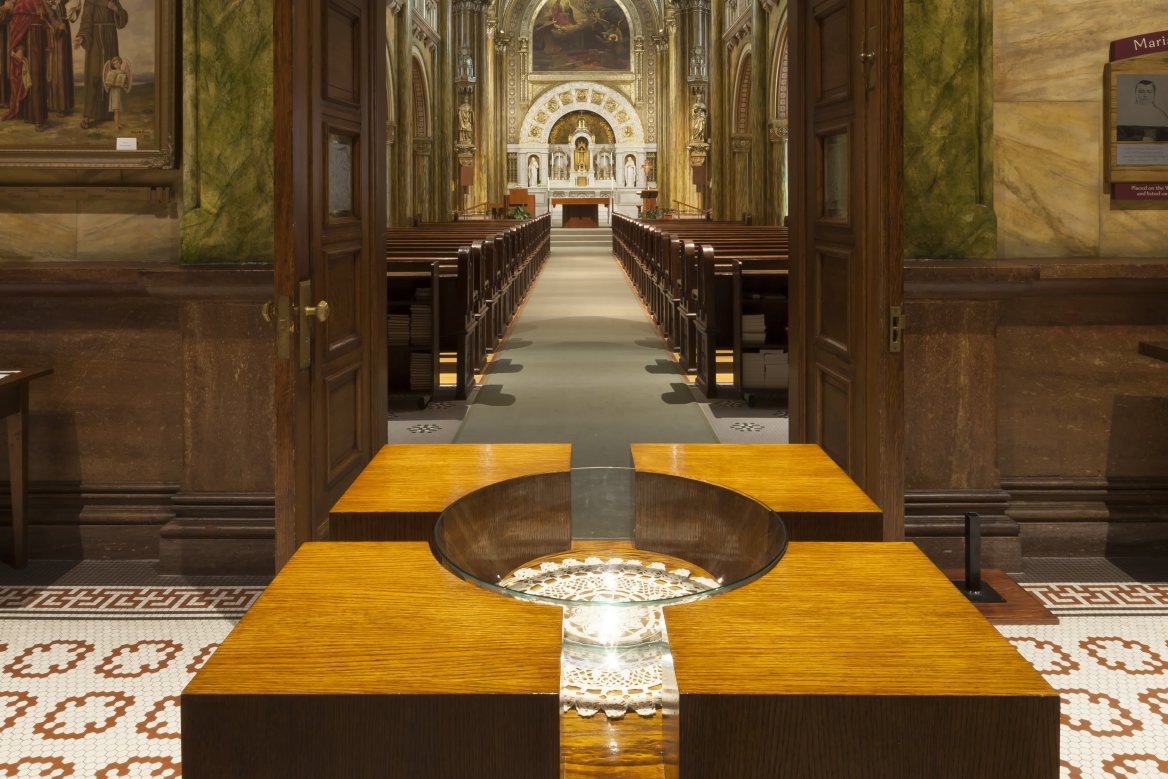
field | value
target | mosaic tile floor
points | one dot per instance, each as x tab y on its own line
93	657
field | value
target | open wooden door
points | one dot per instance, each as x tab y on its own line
847	392
330	279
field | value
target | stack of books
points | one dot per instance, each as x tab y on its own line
753	330
421	372
421	324
399	330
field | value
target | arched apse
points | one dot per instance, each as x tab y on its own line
562	99
638	81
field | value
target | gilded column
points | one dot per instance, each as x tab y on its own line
497	148
760	87
694	37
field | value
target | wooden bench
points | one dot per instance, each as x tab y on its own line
698	279
483	269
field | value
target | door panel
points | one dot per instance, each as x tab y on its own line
330	108
846	242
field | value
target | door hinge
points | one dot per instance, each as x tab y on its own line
895	328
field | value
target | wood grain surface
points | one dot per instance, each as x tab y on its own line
847	659
855	660
383	619
845	619
429	477
816	499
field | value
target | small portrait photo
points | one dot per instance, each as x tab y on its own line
1141	102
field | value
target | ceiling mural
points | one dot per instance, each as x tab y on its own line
573	35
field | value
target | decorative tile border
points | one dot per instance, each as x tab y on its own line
1102	598
54	602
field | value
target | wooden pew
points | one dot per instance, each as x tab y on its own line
482	270
685	273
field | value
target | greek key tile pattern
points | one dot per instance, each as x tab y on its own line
87	692
1100	598
31	602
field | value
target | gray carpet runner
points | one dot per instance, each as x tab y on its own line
583	365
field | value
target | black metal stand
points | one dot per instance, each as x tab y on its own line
974	588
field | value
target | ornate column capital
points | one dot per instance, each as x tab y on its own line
661	41
502	41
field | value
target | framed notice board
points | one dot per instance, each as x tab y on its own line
1135	89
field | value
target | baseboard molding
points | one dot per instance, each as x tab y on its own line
77	520
188	533
1090	517
935	521
219	533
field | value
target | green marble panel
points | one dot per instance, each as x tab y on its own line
948	111
229	211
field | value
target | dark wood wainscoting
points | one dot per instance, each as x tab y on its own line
1028	401
153	437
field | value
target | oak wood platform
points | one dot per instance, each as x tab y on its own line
400	494
846	659
813	495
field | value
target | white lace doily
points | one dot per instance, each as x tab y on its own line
612	654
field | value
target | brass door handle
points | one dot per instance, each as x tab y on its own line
320	311
268	311
867	57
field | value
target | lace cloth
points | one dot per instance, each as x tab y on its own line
612	654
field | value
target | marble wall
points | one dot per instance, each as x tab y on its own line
948	199
1048	130
228	192
220	204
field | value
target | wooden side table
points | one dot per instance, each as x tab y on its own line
14	407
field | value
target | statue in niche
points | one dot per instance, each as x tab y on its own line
532	170
465	123
465	65
697	64
697	132
560	166
630	171
603	165
581	158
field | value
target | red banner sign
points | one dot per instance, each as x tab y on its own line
1139	45
1139	190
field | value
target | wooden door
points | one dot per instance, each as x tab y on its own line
330	225
846	241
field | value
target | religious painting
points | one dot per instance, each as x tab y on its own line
87	83
574	35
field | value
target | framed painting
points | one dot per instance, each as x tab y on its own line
87	83
580	35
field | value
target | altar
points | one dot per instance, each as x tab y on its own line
581	211
844	659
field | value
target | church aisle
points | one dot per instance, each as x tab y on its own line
583	365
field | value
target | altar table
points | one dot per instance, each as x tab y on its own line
846	659
581	211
